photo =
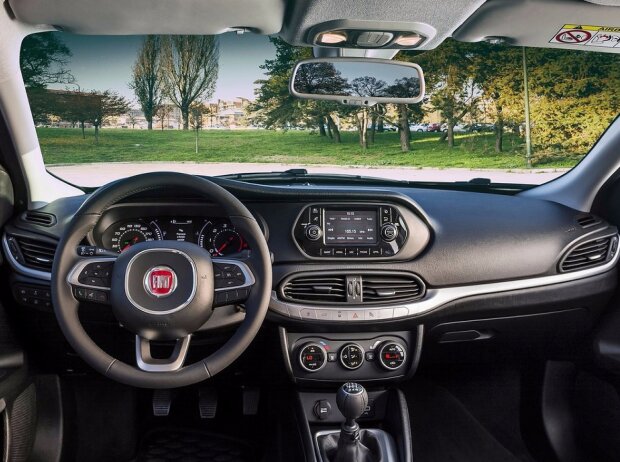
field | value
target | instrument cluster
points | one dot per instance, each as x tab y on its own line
216	235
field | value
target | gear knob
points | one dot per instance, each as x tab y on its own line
352	400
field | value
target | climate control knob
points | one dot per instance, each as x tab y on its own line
314	232
351	356
312	357
392	355
389	232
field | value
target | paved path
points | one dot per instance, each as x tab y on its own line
101	173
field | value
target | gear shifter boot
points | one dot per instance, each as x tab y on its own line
373	446
352	444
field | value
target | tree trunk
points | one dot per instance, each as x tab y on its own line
83	132
499	130
185	115
96	134
373	128
321	125
149	124
450	135
362	127
196	140
403	128
329	131
334	128
380	128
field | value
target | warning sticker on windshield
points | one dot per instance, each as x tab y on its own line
588	36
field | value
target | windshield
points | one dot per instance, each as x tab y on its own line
107	107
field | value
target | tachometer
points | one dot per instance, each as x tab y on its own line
132	233
221	238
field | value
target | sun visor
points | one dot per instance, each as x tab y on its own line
130	17
569	24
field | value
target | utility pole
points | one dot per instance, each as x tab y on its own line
526	96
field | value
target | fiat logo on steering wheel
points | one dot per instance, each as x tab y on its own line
160	281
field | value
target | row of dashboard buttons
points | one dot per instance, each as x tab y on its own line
356	252
364	314
33	296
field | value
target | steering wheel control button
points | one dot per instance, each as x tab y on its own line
389	232
352	356
228	275
392	355
322	409
314	232
96	274
90	295
312	357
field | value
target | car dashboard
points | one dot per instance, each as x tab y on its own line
367	279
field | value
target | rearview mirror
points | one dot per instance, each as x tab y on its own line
358	81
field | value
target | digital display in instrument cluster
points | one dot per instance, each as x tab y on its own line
217	235
175	229
350	226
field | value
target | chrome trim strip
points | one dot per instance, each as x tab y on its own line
436	298
245	269
173	310
19	268
146	362
74	274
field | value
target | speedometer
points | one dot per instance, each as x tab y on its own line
126	235
221	238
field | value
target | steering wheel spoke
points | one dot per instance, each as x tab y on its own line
91	278
233	281
146	362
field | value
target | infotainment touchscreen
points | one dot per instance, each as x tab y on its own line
350	226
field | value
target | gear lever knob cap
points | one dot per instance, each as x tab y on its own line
352	400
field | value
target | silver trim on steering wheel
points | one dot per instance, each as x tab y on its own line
174	362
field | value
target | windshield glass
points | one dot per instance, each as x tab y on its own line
107	107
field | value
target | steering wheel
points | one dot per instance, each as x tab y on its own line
160	290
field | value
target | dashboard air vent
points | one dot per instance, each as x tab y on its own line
32	253
316	288
585	221
389	288
39	218
591	253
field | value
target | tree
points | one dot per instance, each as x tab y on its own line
147	82
132	120
163	112
274	106
574	96
90	107
43	60
196	112
404	88
190	66
497	71
364	87
448	70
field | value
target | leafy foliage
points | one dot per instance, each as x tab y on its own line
43	60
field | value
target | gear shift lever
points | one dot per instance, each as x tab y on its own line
352	400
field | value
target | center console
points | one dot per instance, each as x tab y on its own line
347	423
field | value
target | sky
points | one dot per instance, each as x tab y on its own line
105	63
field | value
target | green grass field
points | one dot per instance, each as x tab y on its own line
66	146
